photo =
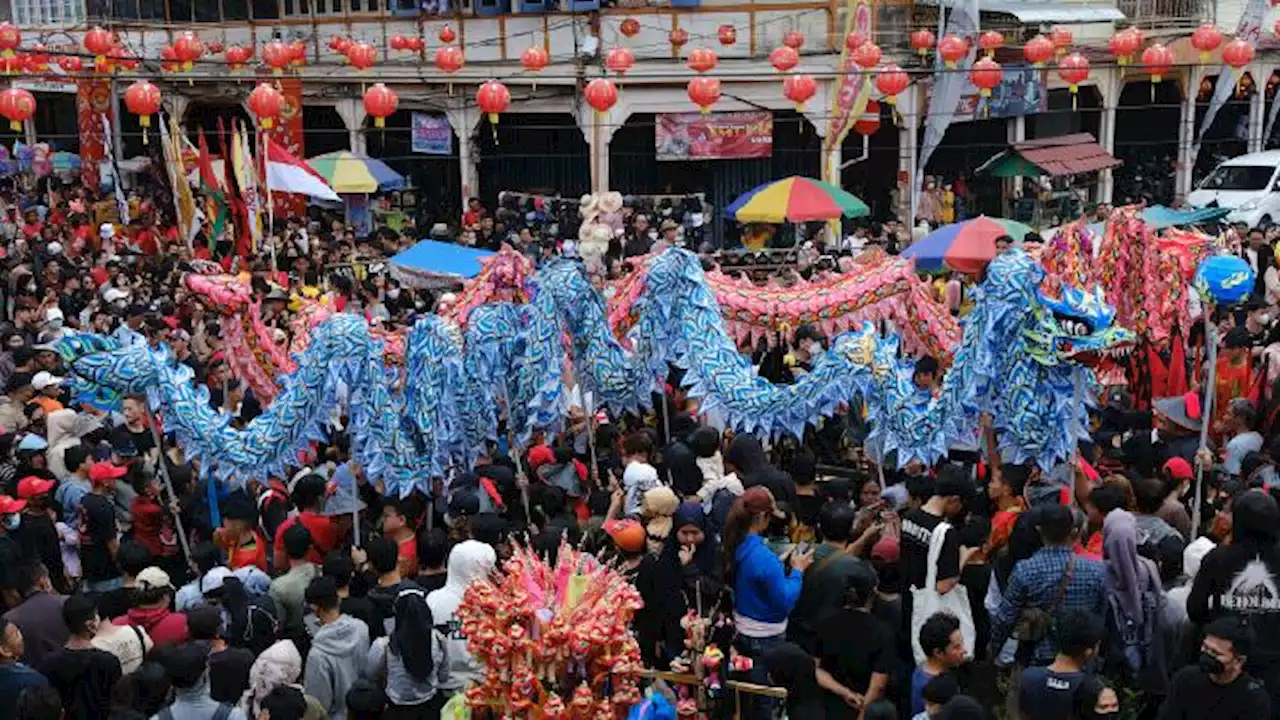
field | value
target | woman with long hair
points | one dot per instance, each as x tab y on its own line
410	663
765	585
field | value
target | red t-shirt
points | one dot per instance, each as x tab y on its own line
253	552
146	241
153	528
100	276
408	553
324	537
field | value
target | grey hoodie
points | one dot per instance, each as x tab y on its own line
194	703
468	561
338	652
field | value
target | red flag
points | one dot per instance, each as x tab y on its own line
240	216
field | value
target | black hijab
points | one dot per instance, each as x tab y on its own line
793	668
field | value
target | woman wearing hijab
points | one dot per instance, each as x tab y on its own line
1134	606
278	665
791	667
682	575
410	663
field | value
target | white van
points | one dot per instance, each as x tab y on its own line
1247	185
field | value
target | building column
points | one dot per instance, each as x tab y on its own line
908	148
1015	132
598	129
1110	86
351	110
1186	136
464	120
1258	107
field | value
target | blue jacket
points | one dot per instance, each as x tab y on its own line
763	588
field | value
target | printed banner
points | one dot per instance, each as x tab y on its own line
431	134
715	136
287	132
1020	92
93	105
948	86
853	88
1250	28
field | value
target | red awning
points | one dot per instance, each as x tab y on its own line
1066	155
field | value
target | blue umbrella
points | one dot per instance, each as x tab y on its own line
430	260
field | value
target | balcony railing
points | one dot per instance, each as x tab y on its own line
1166	13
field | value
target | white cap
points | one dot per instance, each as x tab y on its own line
44	379
214	579
106	230
115	295
54	314
54	248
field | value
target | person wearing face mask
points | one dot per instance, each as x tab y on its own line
1217	686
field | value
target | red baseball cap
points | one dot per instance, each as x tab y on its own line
8	505
540	455
1179	469
106	470
31	486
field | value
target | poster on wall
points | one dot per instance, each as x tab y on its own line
432	134
1021	92
714	136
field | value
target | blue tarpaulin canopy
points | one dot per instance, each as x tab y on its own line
430	261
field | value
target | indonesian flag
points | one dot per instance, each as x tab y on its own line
286	173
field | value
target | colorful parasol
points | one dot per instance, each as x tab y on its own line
349	173
966	246
795	199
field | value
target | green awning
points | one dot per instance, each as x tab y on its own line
1010	165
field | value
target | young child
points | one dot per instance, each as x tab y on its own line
69	542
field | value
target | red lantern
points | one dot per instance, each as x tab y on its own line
702	60
143	99
340	44
214	48
799	89
985	75
187	49
991	41
277	56
867	55
793	39
399	42
704	92
10	39
1124	44
98	42
1206	39
620	60
678	37
1038	50
854	40
37	61
297	53
1073	69
534	58
447	35
362	56
892	81
1237	54
380	102
449	59
728	35
630	27
784	58
1062	39
266	102
17	106
415	44
70	64
238	56
1157	60
493	98
868	123
922	41
953	49
601	94
168	61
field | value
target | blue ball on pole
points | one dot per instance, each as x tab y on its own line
1224	279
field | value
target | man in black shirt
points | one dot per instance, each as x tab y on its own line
134	430
99	537
1053	692
951	491
1217	687
82	674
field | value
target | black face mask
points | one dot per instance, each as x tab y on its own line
1210	664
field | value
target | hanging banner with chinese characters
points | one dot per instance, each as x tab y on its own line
93	104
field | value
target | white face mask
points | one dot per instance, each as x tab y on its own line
393	293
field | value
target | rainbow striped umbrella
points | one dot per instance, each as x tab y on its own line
349	173
795	199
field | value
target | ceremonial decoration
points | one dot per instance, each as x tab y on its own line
704	92
922	41
493	98
727	34
143	99
799	89
17	106
702	60
784	58
866	55
1206	39
554	642
953	49
629	27
991	41
277	56
1038	50
380	102
620	60
535	58
266	102
601	94
892	81
793	39
238	56
1224	279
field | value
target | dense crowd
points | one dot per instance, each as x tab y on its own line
134	587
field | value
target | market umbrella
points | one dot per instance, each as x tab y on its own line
795	199
966	246
430	261
353	174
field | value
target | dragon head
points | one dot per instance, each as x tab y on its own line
1078	327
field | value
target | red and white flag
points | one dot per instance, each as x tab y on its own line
286	173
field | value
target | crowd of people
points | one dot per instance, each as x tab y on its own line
133	587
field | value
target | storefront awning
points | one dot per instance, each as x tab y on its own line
1034	13
1057	156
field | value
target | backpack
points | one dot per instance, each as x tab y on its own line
1138	649
261	626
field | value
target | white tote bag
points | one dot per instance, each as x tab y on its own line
927	601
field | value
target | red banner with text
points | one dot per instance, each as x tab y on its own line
287	132
714	136
93	101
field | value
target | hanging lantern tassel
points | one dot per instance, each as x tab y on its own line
379	122
1075	97
15	125
493	125
1155	80
144	122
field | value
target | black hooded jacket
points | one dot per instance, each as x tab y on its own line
746	454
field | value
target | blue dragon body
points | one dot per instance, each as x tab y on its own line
411	424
